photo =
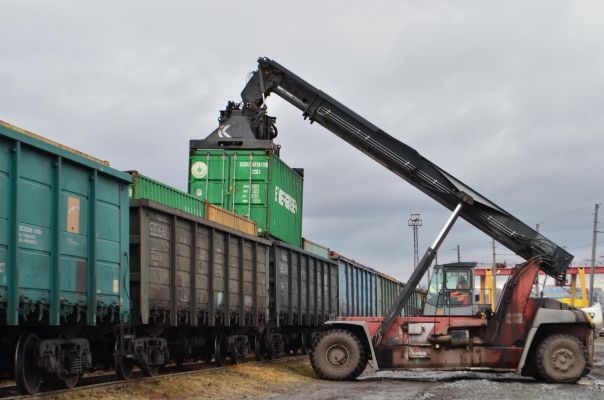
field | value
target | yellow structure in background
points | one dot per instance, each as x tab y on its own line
488	296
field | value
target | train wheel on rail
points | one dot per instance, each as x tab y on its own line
561	358
27	376
271	354
179	360
291	349
123	367
259	348
338	355
304	343
149	370
69	383
220	351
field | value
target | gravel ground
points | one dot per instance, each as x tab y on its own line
454	385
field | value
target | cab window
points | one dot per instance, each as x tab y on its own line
435	289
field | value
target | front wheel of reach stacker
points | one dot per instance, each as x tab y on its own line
561	359
338	355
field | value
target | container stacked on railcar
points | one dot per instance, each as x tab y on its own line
63	258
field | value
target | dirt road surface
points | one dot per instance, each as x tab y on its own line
297	381
454	385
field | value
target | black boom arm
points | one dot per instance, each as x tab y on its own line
404	161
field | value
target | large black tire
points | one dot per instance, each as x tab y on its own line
338	355
561	359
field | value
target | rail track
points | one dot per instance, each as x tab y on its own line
110	380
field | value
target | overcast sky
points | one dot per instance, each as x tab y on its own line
506	96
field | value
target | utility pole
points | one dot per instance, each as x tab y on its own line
538	225
458	254
593	257
416	223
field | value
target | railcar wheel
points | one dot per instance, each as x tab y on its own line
220	351
69	383
561	358
271	354
291	349
179	360
123	367
338	355
27	376
149	370
304	345
259	348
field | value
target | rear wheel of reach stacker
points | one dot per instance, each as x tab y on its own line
338	355
561	358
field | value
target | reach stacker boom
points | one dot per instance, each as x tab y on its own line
540	337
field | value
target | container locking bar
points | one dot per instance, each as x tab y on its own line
416	276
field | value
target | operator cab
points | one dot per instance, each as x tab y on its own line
451	291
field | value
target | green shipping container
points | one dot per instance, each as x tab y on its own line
146	188
63	234
252	183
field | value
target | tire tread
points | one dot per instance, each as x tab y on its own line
359	368
540	353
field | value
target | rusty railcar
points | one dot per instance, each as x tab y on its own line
198	289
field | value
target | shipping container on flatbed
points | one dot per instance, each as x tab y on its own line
63	234
144	187
356	289
254	183
303	287
189	271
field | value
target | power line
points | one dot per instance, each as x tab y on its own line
585	245
568	213
565	221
